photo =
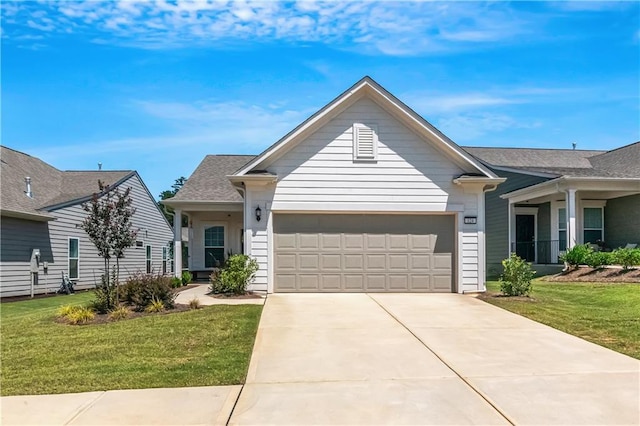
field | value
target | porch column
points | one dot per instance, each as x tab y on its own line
177	242
511	224
572	236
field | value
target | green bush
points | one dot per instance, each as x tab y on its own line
186	277
626	257
140	290
577	255
237	273
598	259
516	277
176	282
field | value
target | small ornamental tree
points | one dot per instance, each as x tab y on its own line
108	225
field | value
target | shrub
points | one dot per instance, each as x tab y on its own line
626	257
577	255
186	277
80	315
517	276
142	289
195	303
598	259
237	273
63	311
176	282
106	295
156	305
119	313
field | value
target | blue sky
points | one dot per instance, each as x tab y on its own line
155	86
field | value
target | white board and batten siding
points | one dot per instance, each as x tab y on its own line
52	238
409	175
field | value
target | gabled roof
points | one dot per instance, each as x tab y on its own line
209	181
368	87
50	187
619	163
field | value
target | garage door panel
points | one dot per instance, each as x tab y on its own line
375	282
356	253
420	282
442	283
353	262
398	282
398	262
353	242
308	241
441	261
376	241
331	262
331	282
376	262
308	281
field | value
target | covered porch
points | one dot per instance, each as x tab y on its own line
549	218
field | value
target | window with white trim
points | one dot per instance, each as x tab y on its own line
164	260
562	229
593	224
214	246
74	258
148	256
365	141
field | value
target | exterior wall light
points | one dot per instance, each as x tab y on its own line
258	213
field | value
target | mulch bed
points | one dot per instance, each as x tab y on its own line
104	318
609	274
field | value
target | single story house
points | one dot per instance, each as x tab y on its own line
366	195
40	214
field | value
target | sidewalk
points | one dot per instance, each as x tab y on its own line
177	406
200	292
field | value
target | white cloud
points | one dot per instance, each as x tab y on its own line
394	28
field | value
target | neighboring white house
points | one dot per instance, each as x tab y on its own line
365	195
41	211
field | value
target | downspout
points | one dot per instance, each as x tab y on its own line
244	216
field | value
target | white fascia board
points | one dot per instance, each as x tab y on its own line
28	216
566	182
258	179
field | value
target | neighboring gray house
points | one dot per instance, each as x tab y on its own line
528	214
43	215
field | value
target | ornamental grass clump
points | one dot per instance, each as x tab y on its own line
517	276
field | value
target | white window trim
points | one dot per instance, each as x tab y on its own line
148	266
69	258
591	204
165	259
357	156
205	246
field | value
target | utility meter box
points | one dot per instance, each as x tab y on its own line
35	260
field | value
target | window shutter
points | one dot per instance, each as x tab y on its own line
365	141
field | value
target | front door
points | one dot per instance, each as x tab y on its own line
525	237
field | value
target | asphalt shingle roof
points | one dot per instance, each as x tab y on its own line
49	185
209	181
619	163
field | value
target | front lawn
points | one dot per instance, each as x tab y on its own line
204	347
606	314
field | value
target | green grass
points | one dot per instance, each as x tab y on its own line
204	347
605	314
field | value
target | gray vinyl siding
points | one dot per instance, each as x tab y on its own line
497	218
622	221
52	240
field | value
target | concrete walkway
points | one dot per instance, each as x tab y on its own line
427	359
178	406
201	292
382	359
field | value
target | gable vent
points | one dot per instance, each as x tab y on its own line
365	141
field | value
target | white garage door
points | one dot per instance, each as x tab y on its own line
358	253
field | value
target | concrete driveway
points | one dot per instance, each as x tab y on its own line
426	359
